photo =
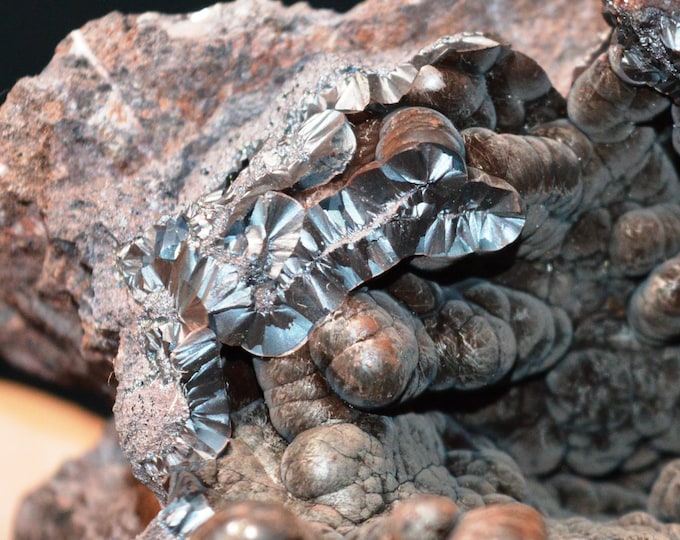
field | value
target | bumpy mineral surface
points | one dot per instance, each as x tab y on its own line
430	298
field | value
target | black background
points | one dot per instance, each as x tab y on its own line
31	29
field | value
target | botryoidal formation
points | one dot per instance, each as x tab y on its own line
436	300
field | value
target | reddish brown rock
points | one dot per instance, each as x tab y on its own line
90	498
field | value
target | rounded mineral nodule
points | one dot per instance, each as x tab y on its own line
253	520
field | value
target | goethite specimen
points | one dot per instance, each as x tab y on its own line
527	253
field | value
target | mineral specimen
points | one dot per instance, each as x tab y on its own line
370	171
431	296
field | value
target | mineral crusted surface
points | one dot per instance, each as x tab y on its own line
450	395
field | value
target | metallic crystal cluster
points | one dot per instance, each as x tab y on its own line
523	324
259	264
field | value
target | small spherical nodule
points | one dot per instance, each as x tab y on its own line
421	296
654	310
456	94
664	500
406	128
422	517
644	237
324	459
513	521
524	78
252	520
476	350
368	351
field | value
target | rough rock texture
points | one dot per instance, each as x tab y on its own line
92	497
117	131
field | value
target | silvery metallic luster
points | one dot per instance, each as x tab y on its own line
258	265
